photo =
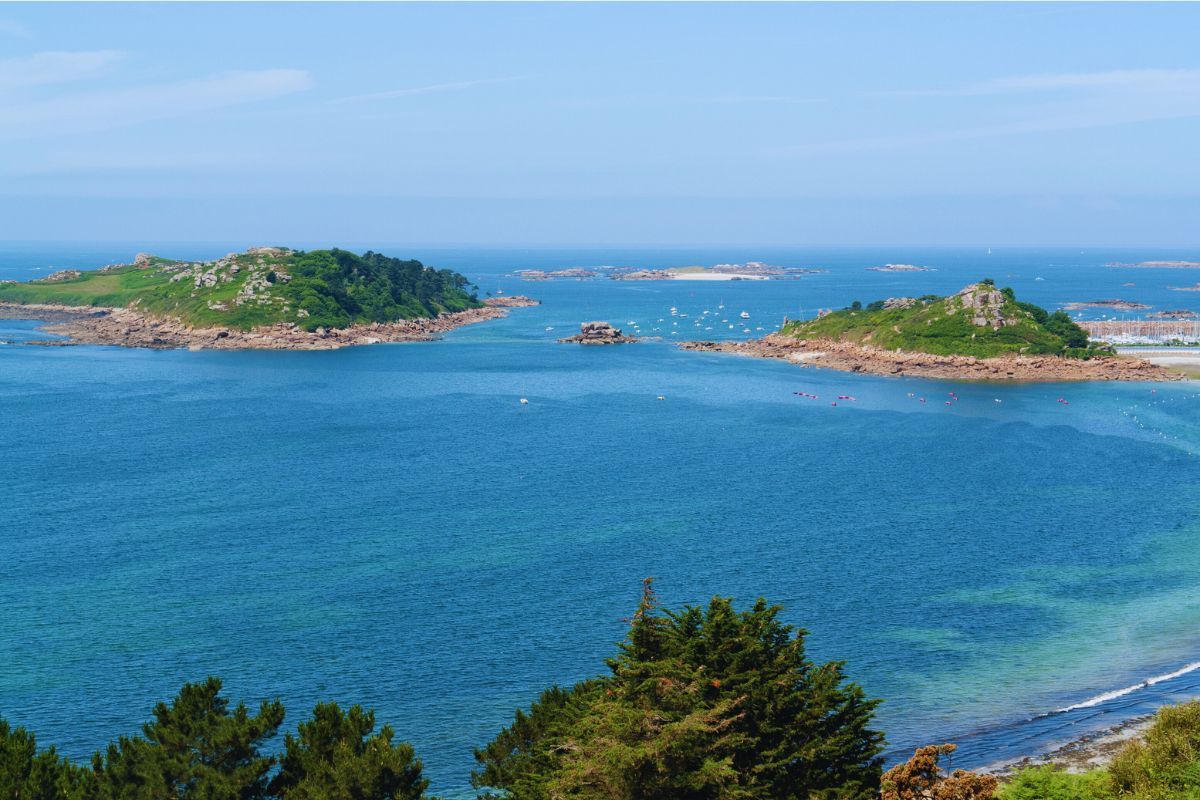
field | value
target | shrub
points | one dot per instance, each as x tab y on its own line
1051	783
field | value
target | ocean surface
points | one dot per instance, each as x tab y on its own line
389	526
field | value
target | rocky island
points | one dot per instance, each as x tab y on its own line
598	333
270	298
1113	305
541	275
750	271
900	268
979	333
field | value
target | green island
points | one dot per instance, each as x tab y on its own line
704	703
260	287
980	320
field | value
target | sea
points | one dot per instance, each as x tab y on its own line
1006	566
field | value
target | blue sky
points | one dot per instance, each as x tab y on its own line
602	124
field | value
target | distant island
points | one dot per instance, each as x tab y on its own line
1157	265
750	271
980	333
541	275
264	298
1114	305
900	268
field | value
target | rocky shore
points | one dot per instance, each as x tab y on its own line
1083	754
126	327
851	357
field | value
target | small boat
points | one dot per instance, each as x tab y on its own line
524	402
745	315
549	327
661	397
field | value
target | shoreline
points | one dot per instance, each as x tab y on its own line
849	357
126	327
1081	754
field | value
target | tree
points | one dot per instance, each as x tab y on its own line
701	703
194	749
26	774
335	757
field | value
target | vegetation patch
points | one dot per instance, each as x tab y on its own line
263	286
980	321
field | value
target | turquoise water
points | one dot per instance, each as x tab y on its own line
387	525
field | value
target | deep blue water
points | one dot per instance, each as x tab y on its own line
387	525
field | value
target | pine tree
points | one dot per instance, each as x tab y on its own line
335	757
194	749
701	704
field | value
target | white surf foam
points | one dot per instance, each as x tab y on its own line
1113	695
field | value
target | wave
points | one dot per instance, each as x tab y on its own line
1114	694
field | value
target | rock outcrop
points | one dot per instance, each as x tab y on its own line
61	275
851	357
512	301
983	303
128	327
598	333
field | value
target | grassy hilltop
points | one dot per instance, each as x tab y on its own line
980	321
320	288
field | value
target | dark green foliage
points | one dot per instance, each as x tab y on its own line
197	748
857	305
26	774
335	757
194	748
337	288
703	703
1060	324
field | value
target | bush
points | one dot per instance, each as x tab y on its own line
1051	783
922	778
1167	763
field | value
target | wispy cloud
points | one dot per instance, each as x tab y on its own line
10	27
1147	80
417	90
755	99
119	107
1092	100
42	69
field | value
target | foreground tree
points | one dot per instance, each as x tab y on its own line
195	749
701	703
26	774
335	757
